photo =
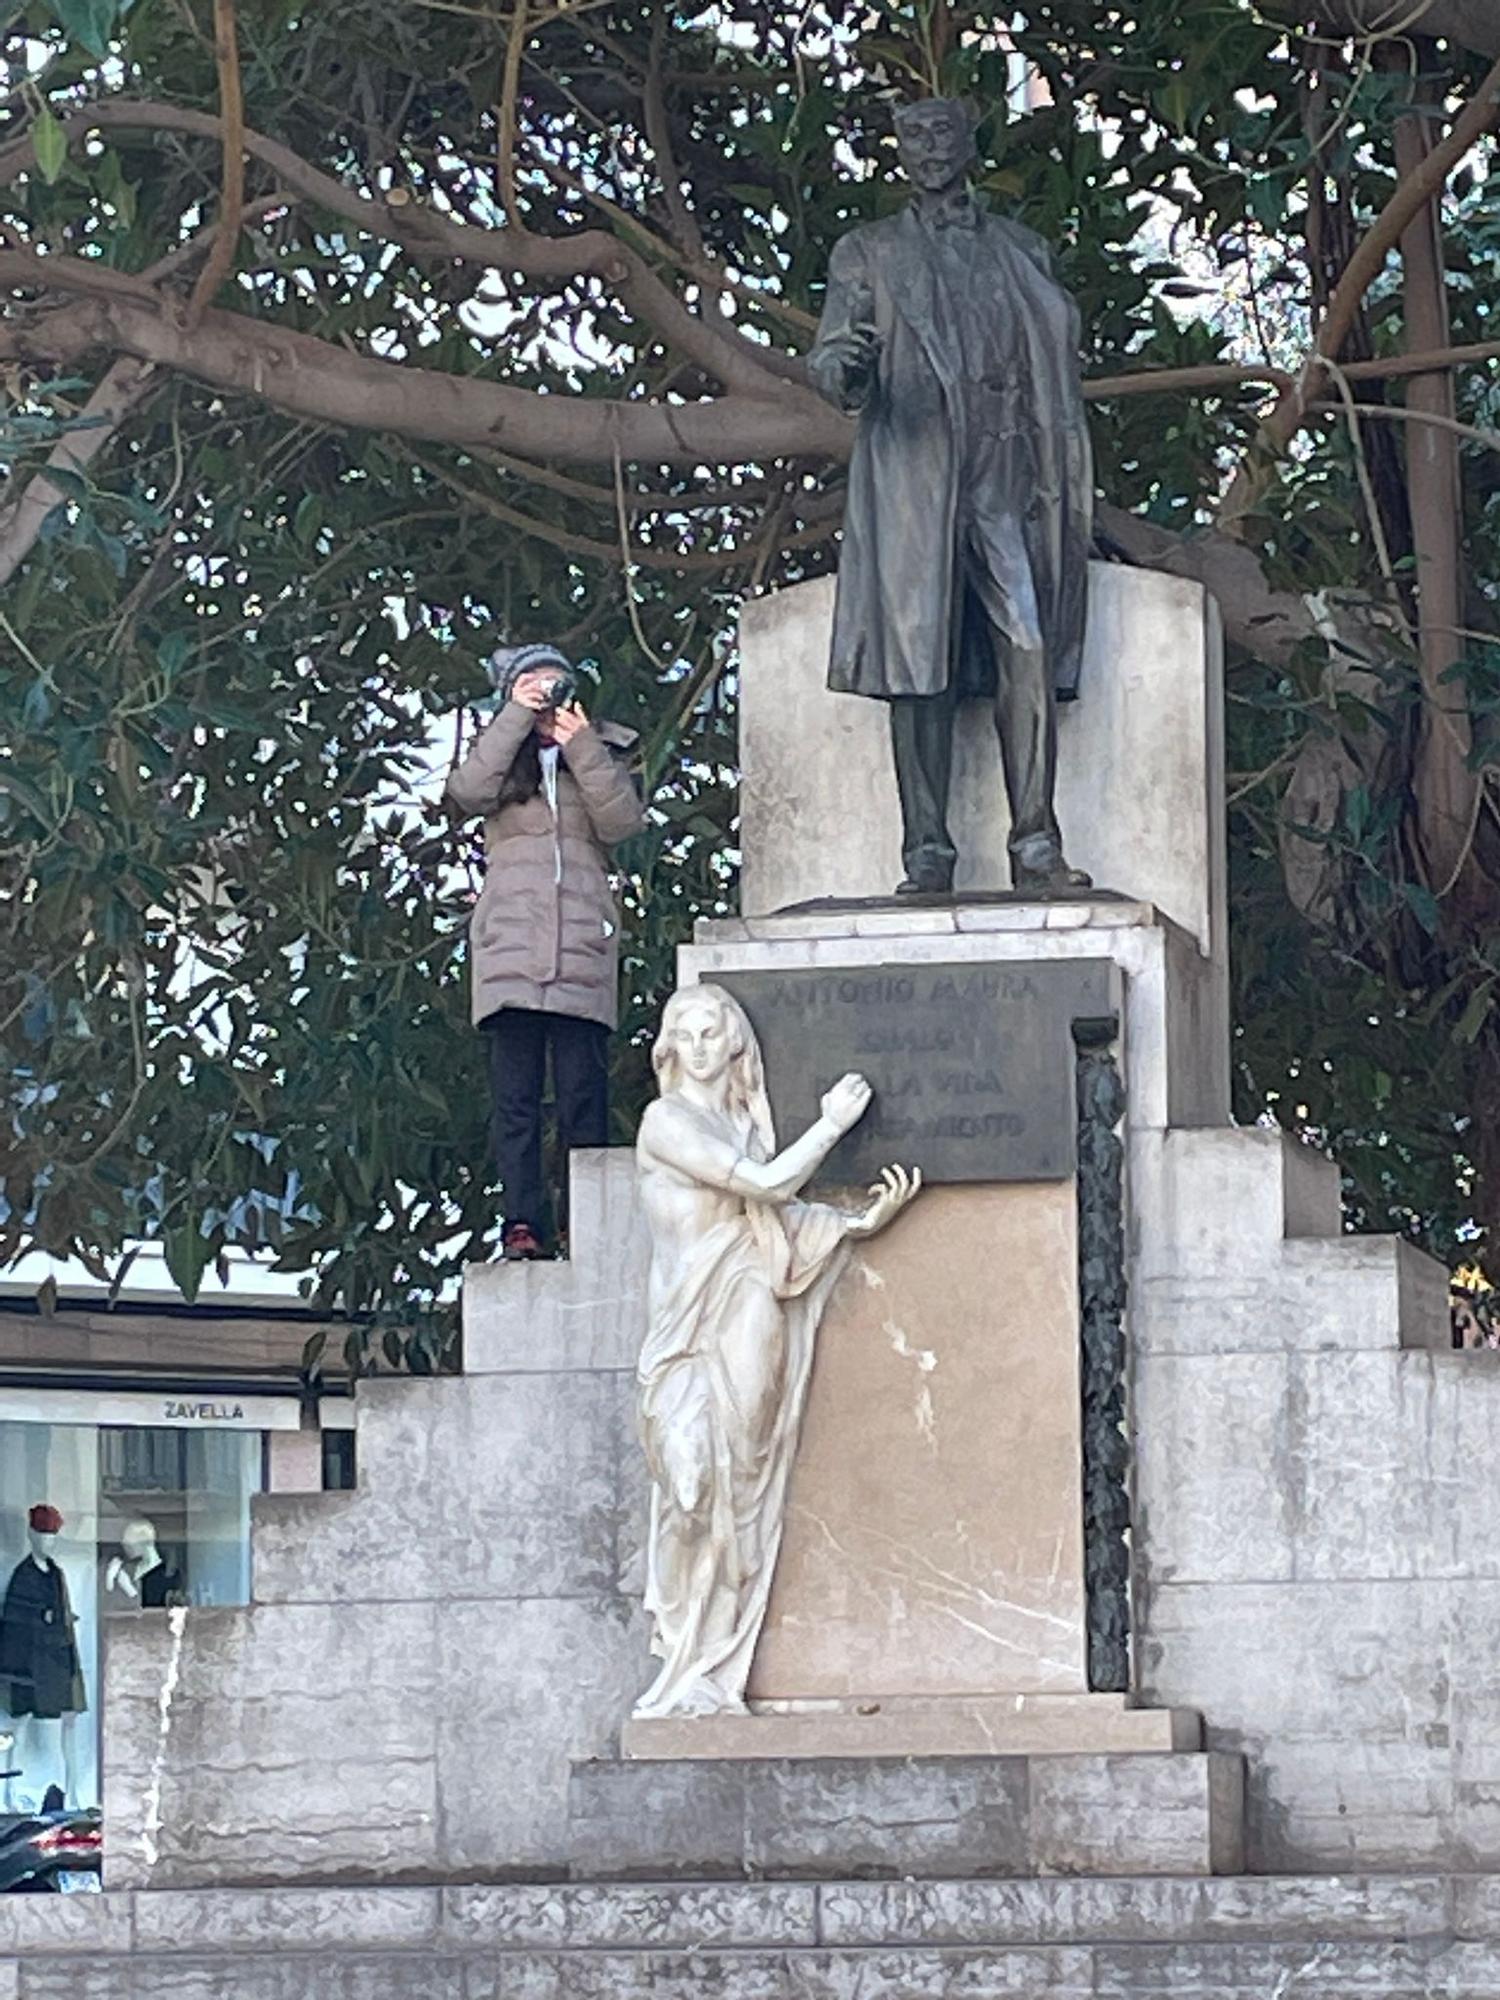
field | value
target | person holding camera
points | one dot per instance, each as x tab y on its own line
556	794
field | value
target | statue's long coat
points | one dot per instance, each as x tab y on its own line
903	624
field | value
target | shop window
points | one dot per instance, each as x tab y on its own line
97	1523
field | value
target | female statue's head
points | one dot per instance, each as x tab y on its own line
706	1034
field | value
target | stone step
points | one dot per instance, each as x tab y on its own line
585	1311
1315	1938
1316	1294
997	1726
1260	1971
1221	1197
925	1817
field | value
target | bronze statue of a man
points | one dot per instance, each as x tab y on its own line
967	530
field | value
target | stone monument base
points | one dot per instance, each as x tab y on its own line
907	1818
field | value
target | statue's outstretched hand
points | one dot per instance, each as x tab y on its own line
847	1102
896	1187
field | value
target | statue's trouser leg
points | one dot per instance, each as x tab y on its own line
999	574
922	740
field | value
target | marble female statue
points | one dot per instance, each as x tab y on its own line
740	1274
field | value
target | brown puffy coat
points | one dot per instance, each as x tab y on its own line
544	933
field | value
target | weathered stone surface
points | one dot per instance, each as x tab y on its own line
919	1817
1220	1197
1208	1502
288	1976
1354	1515
331	1766
65	1923
1339	1696
571	1668
933	1541
1329	1971
1024	1974
924	1816
1166	1815
492	1486
1367	1937
1344	1293
283	1920
593	1915
684	1823
1142	1909
586	1312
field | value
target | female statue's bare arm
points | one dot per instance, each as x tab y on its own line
680	1141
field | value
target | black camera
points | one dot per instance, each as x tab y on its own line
563	690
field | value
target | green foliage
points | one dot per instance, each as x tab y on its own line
232	1001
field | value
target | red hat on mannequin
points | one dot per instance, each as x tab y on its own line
44	1520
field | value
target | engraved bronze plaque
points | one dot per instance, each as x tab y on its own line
972	1064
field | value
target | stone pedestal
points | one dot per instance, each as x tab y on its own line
932	1574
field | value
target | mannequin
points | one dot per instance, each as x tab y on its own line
41	1676
138	1577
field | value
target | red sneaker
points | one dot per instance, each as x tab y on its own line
520	1243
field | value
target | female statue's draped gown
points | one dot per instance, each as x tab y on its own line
757	1281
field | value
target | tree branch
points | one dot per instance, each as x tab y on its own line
126	384
685	230
594	550
1412	194
122	388
425	233
505	138
1473	24
232	197
330	385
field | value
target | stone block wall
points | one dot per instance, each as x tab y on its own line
1317	1554
1317	1563
425	1656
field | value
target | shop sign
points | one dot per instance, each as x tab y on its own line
151	1409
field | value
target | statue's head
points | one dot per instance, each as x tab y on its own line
936	141
706	1034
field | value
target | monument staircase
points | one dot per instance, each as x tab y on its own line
1133	1628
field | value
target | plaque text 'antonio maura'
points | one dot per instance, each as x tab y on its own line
972	1064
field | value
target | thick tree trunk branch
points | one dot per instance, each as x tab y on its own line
425	233
1442	781
685	229
1413	192
126	384
312	378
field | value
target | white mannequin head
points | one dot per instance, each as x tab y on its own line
138	1540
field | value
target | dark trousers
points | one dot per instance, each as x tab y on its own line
519	1041
995	569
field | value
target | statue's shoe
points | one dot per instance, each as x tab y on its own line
936	883
1049	881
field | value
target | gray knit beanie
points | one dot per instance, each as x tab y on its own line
506	665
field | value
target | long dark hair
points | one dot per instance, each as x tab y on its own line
524	778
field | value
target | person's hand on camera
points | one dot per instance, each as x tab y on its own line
534	690
568	720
